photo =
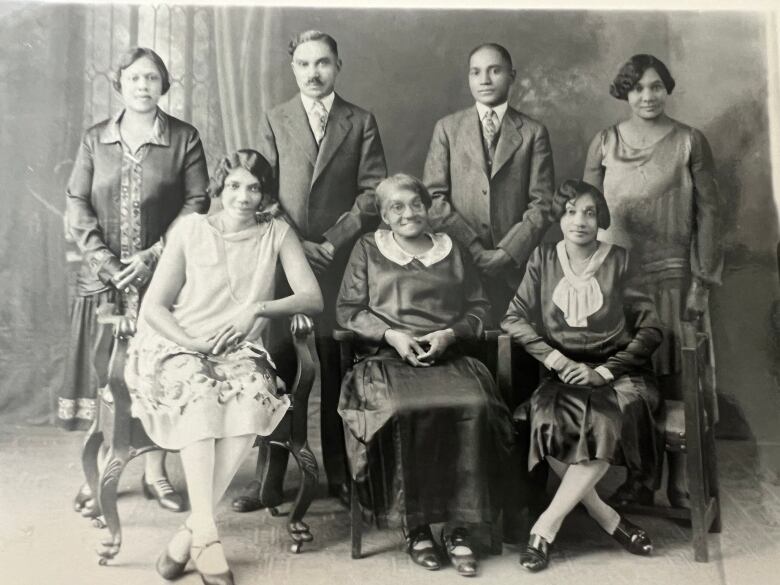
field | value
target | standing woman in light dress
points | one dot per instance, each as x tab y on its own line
134	175
200	378
657	175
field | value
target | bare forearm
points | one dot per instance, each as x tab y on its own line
308	303
163	321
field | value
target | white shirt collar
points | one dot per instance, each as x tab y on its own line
327	101
500	110
389	248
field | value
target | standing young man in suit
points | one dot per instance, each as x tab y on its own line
490	173
328	159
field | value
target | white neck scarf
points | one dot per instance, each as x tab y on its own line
579	296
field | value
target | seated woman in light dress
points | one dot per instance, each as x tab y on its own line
575	313
199	375
427	428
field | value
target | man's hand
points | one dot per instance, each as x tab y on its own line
409	350
319	255
492	262
697	300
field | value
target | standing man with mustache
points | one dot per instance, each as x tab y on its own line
490	174
328	159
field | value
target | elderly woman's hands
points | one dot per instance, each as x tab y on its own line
437	342
136	272
406	346
578	373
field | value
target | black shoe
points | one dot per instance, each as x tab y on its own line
162	491
631	492
427	557
536	555
465	563
340	491
168	567
678	499
249	500
633	538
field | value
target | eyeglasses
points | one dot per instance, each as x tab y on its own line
398	208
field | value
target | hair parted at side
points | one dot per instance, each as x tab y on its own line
569	191
501	49
402	182
633	70
259	167
313	35
131	56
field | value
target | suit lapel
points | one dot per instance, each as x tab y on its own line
509	140
473	138
338	127
298	125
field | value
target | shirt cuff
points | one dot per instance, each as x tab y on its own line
554	360
604	373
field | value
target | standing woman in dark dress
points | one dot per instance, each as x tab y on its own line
135	173
428	432
657	175
575	313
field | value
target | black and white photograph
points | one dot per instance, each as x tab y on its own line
389	292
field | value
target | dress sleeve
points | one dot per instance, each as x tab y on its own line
82	217
437	178
196	177
372	168
524	236
352	307
523	316
476	305
642	320
594	162
706	247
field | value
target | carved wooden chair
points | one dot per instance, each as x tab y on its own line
125	438
346	340
688	427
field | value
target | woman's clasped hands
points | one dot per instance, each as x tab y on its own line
420	351
581	374
229	335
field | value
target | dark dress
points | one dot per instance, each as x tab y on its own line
120	203
424	444
616	334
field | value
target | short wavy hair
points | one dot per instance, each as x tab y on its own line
131	56
633	70
260	168
313	35
402	182
569	191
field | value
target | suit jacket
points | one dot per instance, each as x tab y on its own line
516	193
328	194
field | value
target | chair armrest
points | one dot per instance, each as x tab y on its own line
302	329
491	335
301	325
344	336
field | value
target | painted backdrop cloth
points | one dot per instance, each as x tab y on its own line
578	423
182	396
424	444
665	207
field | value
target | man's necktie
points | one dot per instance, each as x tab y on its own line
319	118
490	132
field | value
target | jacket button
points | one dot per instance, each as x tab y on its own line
484	191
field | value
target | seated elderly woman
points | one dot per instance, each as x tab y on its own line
410	296
200	378
575	313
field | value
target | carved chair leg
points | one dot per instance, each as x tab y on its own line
356	521
271	468
298	529
107	496
90	453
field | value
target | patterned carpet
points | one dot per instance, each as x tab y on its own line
43	542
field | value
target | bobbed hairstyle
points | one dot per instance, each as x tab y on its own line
401	182
313	35
633	70
131	56
569	191
260	168
502	50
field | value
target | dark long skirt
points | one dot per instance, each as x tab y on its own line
425	445
613	423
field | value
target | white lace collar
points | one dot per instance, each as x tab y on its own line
579	296
389	248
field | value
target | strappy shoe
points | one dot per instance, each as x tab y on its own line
427	557
162	491
633	538
536	555
224	578
168	567
465	563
